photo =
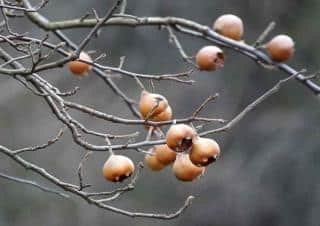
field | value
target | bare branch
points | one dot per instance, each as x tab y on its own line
31	56
85	158
204	104
34	184
185	26
251	106
100	22
41	147
178	45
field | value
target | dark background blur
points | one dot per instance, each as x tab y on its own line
268	173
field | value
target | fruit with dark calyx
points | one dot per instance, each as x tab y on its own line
184	169
204	151
210	58
179	137
117	168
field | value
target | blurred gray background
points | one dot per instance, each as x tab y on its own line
268	173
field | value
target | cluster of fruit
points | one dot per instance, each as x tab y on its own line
209	58
192	153
280	48
188	152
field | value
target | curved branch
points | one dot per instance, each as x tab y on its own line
188	27
34	184
73	189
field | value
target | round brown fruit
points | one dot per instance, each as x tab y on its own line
80	68
230	26
280	48
179	137
164	154
152	162
184	169
166	115
152	104
210	58
204	151
117	168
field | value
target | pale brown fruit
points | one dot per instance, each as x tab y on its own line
184	169
152	162
152	104
280	48
210	58
179	137
230	26
117	168
80	68
164	154
204	151
166	115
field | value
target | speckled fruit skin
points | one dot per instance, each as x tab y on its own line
185	170
117	168
280	48
164	154
179	137
79	68
204	151
210	58
152	103
230	26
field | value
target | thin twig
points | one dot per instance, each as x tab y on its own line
178	45
123	7
264	34
34	184
204	104
252	106
80	173
43	146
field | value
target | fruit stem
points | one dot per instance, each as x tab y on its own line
264	34
109	143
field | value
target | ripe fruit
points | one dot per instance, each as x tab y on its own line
166	115
204	151
164	154
184	169
152	162
179	137
79	68
152	103
280	48
230	26
117	168
210	58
